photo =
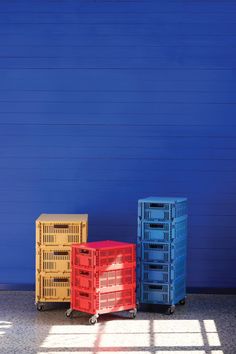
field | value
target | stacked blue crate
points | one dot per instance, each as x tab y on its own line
161	251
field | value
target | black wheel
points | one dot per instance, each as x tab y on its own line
69	313
182	302
133	313
40	307
170	310
93	320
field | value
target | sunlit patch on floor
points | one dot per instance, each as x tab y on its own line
4	326
141	334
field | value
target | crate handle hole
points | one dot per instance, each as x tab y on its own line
155	287
84	251
156	226
60	280
152	245
84	294
61	226
60	253
157	205
155	266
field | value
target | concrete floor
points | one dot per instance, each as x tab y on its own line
206	324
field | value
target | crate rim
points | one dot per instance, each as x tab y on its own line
166	200
62	218
102	245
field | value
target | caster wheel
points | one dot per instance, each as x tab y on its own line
133	313
69	313
93	320
170	310
40	307
182	302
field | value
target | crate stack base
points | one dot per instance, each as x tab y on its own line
161	252
55	234
103	278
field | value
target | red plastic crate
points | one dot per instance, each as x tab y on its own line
103	280
103	255
100	303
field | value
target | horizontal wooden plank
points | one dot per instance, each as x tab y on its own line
117	97
90	190
121	143
78	63
114	79
58	38
120	164
150	29
111	51
125	174
128	95
210	225
116	153
96	130
128	219
180	7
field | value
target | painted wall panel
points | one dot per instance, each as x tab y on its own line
102	103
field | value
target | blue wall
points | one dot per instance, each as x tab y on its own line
104	102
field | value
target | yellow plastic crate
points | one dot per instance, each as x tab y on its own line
61	229
53	259
51	288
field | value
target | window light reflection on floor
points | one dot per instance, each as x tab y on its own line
170	333
4	325
211	333
116	326
140	334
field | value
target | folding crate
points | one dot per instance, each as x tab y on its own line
161	273
161	209
99	303
61	229
163	231
103	280
103	255
52	288
53	259
161	252
166	294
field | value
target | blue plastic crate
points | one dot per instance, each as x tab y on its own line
161	273
155	293
163	231
163	294
161	209
161	252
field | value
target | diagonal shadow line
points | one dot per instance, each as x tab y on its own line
204	337
98	337
151	336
